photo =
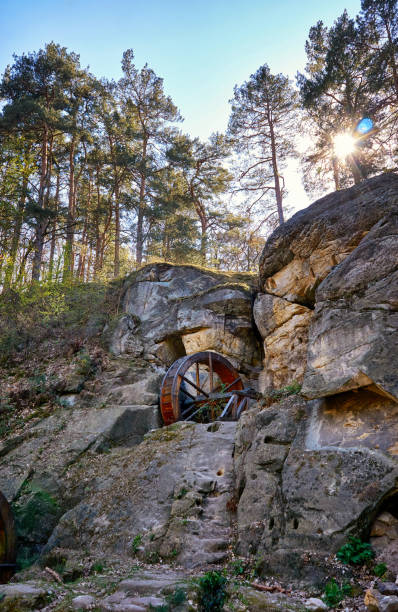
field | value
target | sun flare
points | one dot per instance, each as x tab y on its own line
343	144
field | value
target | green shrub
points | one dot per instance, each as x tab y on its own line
136	543
380	570
212	592
334	593
279	394
177	597
237	567
355	552
97	567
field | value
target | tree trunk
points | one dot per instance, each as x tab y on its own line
17	232
355	169
278	191
336	174
97	228
141	205
116	262
203	239
392	56
54	229
40	226
68	253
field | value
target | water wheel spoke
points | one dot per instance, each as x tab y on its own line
241	407
187	418
228	386
190	382
183	390
227	406
197	374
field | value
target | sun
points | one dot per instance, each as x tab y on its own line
343	144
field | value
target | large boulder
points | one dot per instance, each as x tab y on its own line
329	286
171	311
164	499
284	327
304	485
302	251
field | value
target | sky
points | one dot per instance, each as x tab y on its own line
201	48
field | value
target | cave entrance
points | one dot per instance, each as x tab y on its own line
384	532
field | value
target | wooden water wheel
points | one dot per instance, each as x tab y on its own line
203	387
7	541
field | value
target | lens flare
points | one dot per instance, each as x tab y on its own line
344	145
364	126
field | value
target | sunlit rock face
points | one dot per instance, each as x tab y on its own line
353	338
283	326
336	261
301	253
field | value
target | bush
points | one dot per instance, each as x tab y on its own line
380	570
335	593
212	592
355	552
136	543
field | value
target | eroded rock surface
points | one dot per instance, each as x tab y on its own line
298	503
301	253
165	499
339	257
283	326
353	338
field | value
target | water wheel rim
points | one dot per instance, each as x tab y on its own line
170	392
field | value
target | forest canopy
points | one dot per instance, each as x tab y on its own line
97	177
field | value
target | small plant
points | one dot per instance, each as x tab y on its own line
177	597
152	557
85	365
182	493
334	593
136	543
237	567
212	592
97	567
355	552
380	570
278	395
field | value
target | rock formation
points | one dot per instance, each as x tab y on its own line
172	311
330	272
293	479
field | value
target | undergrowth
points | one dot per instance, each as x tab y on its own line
47	332
355	552
335	593
276	395
212	592
41	312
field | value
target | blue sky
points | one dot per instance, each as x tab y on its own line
200	48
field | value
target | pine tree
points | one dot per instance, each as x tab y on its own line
206	179
263	126
148	111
